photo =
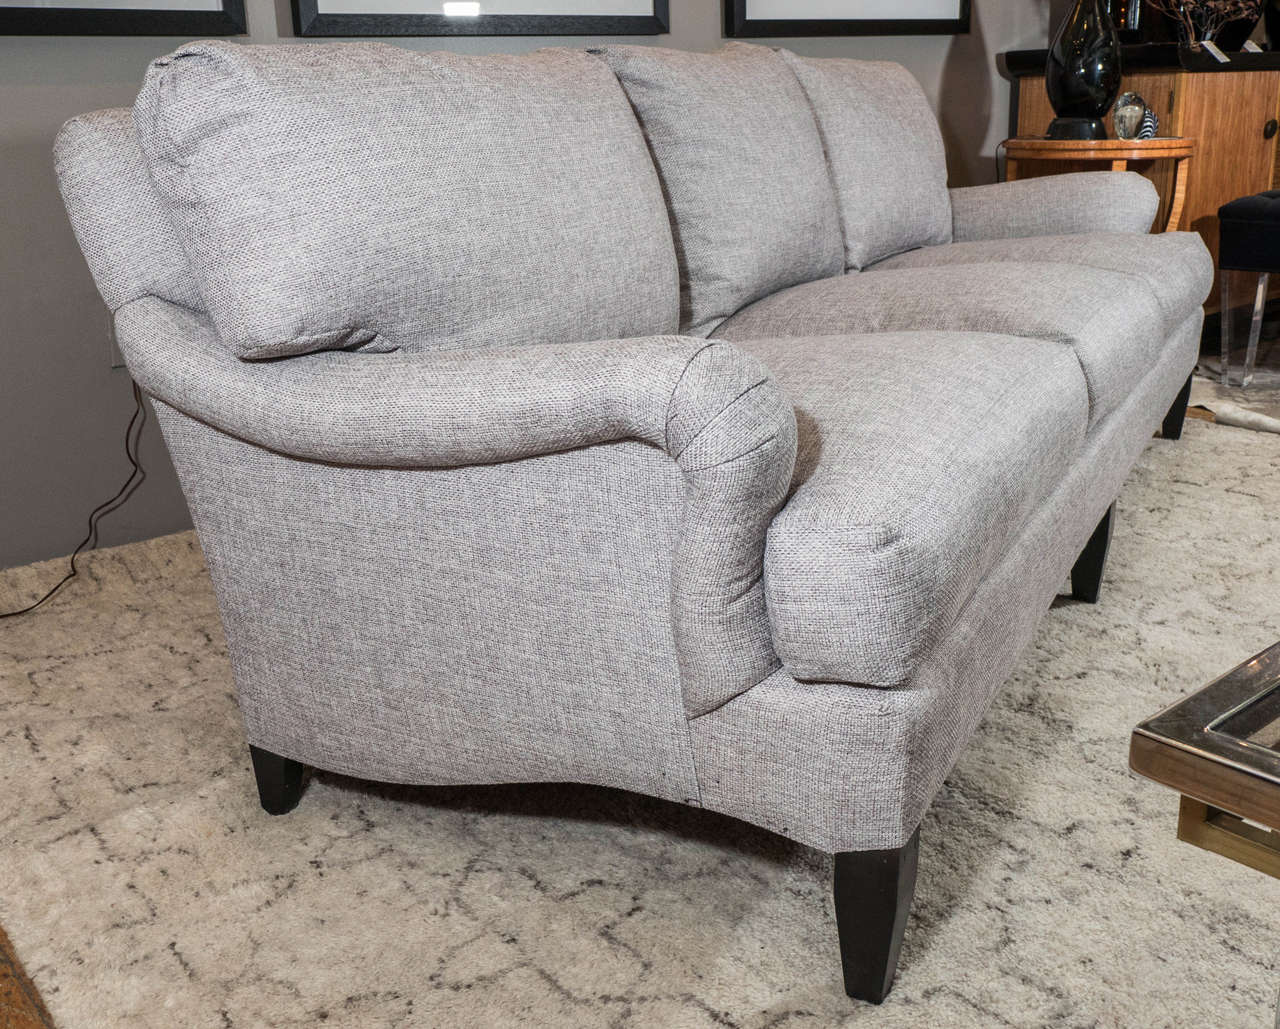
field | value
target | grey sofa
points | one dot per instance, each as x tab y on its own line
636	417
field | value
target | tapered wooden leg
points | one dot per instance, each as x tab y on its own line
873	891
1086	576
1172	426
279	781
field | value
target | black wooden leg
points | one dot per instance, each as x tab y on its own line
1172	427
873	891
279	781
1086	576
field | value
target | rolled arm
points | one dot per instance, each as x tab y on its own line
714	409
1054	205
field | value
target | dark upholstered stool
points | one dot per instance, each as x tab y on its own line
1249	242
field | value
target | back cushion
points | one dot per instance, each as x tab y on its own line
362	195
886	155
752	206
117	217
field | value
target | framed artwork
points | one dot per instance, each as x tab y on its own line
765	18
190	18
480	17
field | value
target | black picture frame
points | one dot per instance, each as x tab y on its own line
737	25
101	21
308	21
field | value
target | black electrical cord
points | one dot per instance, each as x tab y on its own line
132	437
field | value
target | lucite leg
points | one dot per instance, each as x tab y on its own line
1224	320
1255	328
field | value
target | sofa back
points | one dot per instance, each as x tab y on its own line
117	216
741	161
361	195
885	154
365	196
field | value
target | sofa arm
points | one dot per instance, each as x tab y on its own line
714	409
1054	205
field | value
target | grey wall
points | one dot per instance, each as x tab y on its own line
63	408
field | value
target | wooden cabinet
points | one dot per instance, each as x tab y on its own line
1231	113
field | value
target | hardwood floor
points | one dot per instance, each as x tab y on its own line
20	1004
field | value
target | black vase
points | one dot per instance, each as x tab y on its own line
1083	72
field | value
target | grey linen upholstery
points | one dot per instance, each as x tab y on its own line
506	622
1115	333
361	194
897	515
1054	205
885	153
843	768
119	221
506	554
742	166
1174	266
715	411
549	669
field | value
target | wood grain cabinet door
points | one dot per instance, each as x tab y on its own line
1228	112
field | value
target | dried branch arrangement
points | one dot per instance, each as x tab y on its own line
1203	19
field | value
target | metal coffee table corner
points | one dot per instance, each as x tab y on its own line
1220	748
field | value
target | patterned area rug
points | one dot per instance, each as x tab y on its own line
142	885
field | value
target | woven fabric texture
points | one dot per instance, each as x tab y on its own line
897	515
715	411
117	216
506	622
741	162
352	650
363	195
885	152
1112	322
1175	266
843	768
491	521
1054	205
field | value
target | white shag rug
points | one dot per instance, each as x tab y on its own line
142	885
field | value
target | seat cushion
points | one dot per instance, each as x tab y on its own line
885	153
1175	266
912	476
752	205
363	195
1115	333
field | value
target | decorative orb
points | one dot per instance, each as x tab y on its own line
1127	115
